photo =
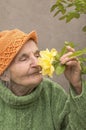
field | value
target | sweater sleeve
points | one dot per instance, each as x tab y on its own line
77	116
76	119
68	110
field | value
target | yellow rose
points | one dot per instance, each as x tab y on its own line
45	61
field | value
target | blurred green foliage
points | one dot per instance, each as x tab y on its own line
69	9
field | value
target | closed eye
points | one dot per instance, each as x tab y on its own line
24	57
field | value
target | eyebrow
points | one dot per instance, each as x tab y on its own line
25	54
37	51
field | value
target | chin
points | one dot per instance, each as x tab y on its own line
33	80
37	79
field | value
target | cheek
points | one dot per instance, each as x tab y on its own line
18	70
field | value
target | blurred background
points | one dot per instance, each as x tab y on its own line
28	15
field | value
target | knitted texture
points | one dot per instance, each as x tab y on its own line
46	108
11	42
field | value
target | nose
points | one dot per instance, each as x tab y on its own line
34	61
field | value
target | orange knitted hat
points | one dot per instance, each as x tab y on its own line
11	42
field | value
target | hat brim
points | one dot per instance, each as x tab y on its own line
7	56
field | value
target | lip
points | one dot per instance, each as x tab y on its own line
35	73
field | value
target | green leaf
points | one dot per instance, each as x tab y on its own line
69	18
79	53
55	63
83	71
61	8
60	69
56	13
53	7
77	15
71	15
84	28
69	44
63	17
70	5
63	51
69	9
82	59
57	57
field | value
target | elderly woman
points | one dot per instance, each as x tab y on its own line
27	100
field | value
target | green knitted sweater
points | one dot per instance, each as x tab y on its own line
46	108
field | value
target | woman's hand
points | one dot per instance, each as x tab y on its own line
73	69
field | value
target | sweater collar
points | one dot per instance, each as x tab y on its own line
19	101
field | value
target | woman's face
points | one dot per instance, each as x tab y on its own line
24	70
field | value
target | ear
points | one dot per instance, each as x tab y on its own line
5	76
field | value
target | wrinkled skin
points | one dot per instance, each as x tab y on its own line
73	70
24	70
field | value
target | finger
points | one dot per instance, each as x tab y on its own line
72	63
66	55
70	49
66	60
